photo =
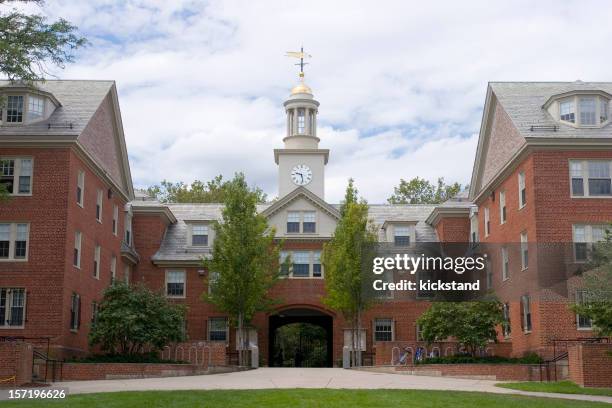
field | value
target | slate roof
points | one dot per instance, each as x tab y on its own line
79	100
174	245
523	102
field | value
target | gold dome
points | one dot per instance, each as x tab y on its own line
301	88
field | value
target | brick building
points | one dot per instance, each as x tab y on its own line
543	165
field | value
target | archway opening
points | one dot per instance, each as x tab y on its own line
300	338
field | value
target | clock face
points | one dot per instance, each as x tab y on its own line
301	175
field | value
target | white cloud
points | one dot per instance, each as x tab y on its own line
401	83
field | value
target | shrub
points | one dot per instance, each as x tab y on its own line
468	359
152	358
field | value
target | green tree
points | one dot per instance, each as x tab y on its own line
132	317
472	324
344	257
597	305
245	258
28	43
421	191
213	191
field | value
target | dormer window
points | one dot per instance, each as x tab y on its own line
567	111
401	236
36	107
582	110
587	110
14	109
199	235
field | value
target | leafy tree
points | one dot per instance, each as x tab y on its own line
421	191
132	317
213	191
245	259
472	324
29	42
598	286
344	256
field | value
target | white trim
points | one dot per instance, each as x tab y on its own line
99	203
17	170
12	239
97	253
166	281
9	306
81	184
78	240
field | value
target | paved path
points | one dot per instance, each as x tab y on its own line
265	378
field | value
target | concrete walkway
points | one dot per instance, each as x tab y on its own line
266	378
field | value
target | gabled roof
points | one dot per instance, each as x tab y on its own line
79	104
522	103
304	193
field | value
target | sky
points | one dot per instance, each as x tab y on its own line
401	83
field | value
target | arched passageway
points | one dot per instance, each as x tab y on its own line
300	337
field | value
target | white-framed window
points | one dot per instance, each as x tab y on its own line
526	313
80	191
522	190
115	219
199	235
524	251
16	175
584	110
583	322
301	264
309	222
293	221
506	328
474	228
76	258
301	121
401	235
14	238
588	110
505	264
604	110
567	110
584	236
14	108
12	308
383	329
487	221
175	283
502	207
36	107
128	229
75	312
113	268
218	329
591	178
317	271
99	201
96	268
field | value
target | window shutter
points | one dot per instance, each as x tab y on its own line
207	329
523	313
393	330
25	308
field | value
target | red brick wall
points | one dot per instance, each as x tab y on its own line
96	371
453	229
82	281
590	365
46	211
499	372
16	360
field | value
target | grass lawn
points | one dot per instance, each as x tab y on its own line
563	387
327	398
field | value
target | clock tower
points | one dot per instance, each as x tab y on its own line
301	162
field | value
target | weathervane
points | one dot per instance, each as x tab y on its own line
301	55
